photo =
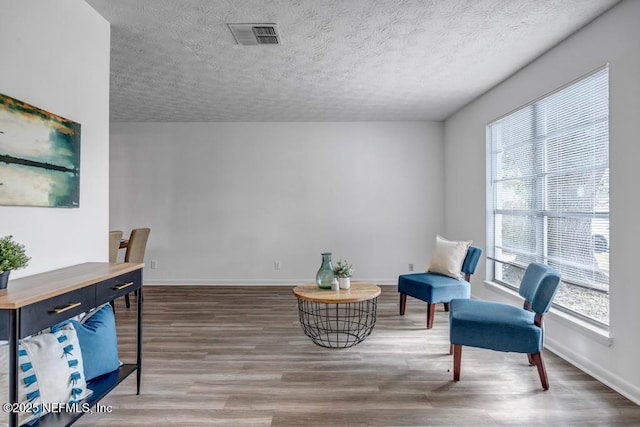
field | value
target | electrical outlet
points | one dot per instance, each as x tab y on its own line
154	264
276	265
410	267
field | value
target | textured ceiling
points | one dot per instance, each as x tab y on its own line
340	60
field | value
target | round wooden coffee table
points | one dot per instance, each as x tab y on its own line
337	319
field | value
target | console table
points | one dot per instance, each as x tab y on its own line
31	304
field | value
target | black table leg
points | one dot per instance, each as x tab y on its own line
14	345
139	343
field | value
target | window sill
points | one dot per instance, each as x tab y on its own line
599	334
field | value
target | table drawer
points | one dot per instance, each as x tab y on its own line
4	324
118	286
38	316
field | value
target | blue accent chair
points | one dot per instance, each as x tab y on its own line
434	288
504	327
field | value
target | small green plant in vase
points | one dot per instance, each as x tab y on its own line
343	271
12	257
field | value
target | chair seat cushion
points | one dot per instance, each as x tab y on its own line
493	325
433	288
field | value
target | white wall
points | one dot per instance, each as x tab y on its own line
55	56
226	200
613	38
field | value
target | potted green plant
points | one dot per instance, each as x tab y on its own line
343	271
12	257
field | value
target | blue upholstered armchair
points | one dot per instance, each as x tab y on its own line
434	288
503	327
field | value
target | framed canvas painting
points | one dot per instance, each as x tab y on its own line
39	157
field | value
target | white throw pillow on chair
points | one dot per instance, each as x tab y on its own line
448	256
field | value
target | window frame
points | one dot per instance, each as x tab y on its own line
540	213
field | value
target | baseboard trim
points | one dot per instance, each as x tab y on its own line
616	382
252	282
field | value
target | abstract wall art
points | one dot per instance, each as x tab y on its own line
39	157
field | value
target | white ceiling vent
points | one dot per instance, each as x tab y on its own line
254	34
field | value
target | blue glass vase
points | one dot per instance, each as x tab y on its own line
325	275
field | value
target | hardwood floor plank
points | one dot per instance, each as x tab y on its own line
237	356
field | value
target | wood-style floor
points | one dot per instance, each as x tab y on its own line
236	356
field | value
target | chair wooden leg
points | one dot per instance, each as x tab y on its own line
403	303
126	300
431	312
531	362
446	306
457	358
542	371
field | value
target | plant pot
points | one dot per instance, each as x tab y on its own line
4	279
345	282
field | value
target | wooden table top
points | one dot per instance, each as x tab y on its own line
31	289
359	291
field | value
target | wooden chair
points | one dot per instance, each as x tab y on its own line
504	327
135	250
115	236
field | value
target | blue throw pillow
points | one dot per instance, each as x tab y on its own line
98	342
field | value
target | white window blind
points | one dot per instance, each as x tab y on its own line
548	193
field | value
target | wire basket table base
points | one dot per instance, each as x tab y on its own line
339	325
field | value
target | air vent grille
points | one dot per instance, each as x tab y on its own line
255	34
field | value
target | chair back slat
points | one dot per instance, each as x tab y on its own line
539	286
471	260
137	245
114	244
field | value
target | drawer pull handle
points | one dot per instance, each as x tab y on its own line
124	285
68	307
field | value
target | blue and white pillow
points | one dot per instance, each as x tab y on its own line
50	370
